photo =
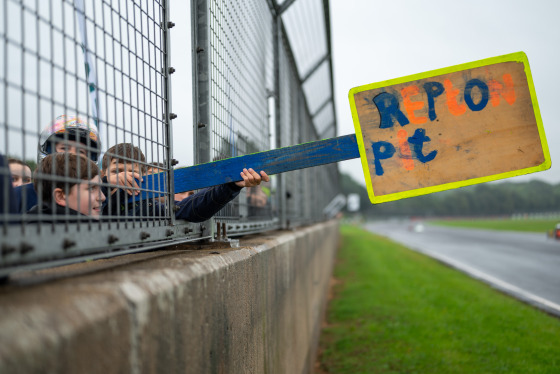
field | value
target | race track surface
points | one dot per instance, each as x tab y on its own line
525	265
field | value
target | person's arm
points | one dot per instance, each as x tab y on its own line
204	204
207	202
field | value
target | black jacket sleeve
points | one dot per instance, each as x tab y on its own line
207	202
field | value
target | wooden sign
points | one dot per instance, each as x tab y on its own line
449	128
424	133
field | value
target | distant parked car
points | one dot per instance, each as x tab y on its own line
416	227
554	233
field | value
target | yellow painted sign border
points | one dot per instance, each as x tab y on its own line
513	57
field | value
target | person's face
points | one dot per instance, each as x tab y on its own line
154	170
21	174
86	198
118	166
71	146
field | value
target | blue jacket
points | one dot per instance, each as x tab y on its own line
7	193
25	198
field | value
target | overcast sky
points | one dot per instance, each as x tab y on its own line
379	40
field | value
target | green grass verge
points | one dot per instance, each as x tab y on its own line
397	311
501	224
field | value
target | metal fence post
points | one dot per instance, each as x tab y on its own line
201	50
281	188
167	24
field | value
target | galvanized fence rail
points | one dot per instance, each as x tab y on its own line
262	79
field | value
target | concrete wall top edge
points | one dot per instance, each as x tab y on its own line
114	293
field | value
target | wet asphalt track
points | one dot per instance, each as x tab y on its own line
525	265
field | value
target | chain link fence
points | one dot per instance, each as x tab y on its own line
93	78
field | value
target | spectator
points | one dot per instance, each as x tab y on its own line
70	134
21	172
258	201
124	164
68	184
156	167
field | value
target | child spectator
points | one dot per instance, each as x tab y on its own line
156	167
68	184
70	134
21	173
124	163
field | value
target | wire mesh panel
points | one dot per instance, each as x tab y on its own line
235	49
309	33
86	158
239	66
290	124
84	100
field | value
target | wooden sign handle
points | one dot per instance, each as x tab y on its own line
276	161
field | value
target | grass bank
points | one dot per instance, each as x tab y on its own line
501	224
397	311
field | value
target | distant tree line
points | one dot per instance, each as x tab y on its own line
487	199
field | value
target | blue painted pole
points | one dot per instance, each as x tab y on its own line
276	161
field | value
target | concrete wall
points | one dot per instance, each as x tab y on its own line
253	309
